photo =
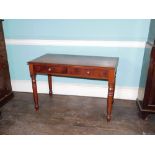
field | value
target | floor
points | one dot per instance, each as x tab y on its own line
71	115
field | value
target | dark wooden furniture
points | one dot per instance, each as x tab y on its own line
91	67
146	97
5	84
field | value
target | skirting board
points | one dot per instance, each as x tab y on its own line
76	89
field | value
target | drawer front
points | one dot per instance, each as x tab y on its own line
88	72
50	69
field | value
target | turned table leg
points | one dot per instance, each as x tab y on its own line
35	94
110	99
50	84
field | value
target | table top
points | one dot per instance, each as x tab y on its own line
78	60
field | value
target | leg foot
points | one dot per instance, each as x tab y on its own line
50	93
37	108
108	118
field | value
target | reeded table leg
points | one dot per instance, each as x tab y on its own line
35	94
50	84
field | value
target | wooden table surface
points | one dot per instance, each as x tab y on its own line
110	62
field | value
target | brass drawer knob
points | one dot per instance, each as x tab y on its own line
50	69
88	72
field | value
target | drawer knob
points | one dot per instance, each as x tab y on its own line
50	68
88	72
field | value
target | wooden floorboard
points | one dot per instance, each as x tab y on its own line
71	115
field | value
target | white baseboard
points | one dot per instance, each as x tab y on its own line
76	89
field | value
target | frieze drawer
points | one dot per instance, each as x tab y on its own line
51	69
88	72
